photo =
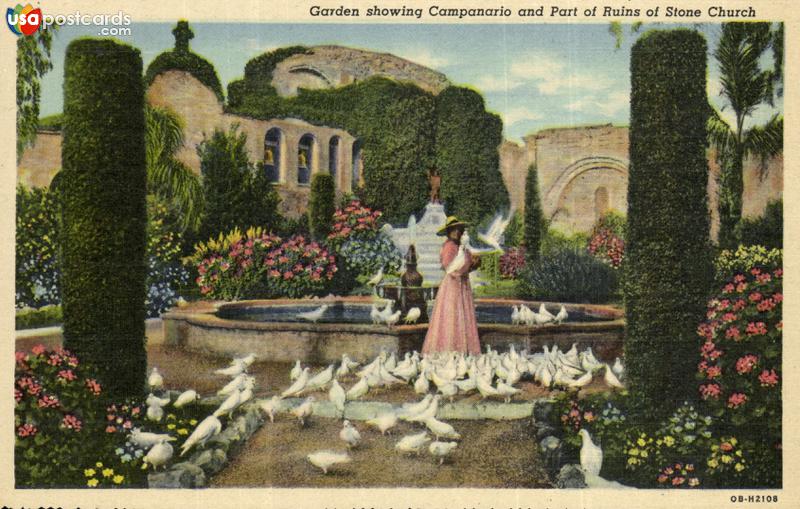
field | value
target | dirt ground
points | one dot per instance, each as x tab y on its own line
489	455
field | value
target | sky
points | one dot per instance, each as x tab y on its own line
535	76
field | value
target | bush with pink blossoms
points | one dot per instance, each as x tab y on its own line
606	240
512	262
261	265
739	369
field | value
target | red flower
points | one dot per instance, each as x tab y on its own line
288	275
663	478
729	317
728	288
768	378
777	297
766	305
702	366
741	287
48	401
755	271
20	358
111	429
93	386
738	278
755	297
38	349
746	364
736	400
726	446
678	481
71	422
17	395
739	305
713	372
732	333
756	328
710	391
67	374
27	430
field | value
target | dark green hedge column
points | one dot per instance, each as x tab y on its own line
668	253
534	217
321	205
104	212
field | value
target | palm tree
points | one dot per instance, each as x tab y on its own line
745	86
168	177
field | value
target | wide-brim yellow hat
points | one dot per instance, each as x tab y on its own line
451	222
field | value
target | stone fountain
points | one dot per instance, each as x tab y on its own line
422	234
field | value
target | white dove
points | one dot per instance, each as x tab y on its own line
351	364
441	449
545	313
230	404
582	381
591	455
155	412
159	454
154	400
428	413
617	368
384	422
299	385
492	236
233	386
270	407
350	434
421	385
393	318
485	388
506	391
155	380
313	316
375	314
325	459
441	429
235	369
358	390
296	370
458	261
207	428
337	396
412	443
410	409
321	379
304	410
413	315
562	315
515	319
376	278
247	360
611	378
186	398
145	439
387	311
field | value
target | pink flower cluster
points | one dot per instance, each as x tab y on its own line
512	262
607	245
746	364
71	422
93	386
768	378
27	430
678	475
353	219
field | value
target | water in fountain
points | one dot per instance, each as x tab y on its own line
423	235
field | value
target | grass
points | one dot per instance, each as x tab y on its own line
502	288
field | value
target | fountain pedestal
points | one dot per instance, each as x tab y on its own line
423	235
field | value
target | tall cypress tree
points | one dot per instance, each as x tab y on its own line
321	205
668	255
534	217
103	188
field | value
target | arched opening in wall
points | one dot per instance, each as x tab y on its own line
272	155
305	158
357	175
601	203
333	158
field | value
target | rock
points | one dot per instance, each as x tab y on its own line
211	461
550	448
544	430
543	411
181	475
570	477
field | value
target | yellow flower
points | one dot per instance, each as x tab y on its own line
89	472
183	431
144	466
713	463
632	461
641	442
108	472
733	441
727	458
644	454
192	421
170	426
739	467
98	465
171	417
92	483
739	453
669	441
118	479
634	451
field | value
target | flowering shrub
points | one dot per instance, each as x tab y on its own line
512	262
745	258
258	264
37	268
606	241
689	429
165	273
354	220
57	401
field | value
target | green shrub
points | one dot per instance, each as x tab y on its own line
514	236
165	272
236	194
554	240
669	270
51	122
103	186
181	59
38	269
321	205
534	217
35	318
744	259
568	275
766	230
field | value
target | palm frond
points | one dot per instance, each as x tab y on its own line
764	141
719	133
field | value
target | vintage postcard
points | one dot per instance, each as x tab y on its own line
389	255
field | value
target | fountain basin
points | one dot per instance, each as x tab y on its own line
271	329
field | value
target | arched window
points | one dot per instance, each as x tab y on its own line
333	157
358	164
600	203
272	155
305	158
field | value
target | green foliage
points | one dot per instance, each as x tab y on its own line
165	272
744	259
35	318
37	250
51	122
766	230
33	62
668	264
568	275
168	177
554	241
181	59
236	194
103	186
607	239
534	216
514	235
467	137
321	205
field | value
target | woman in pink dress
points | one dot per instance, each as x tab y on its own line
453	327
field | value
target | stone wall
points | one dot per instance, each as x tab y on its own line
583	171
335	66
41	161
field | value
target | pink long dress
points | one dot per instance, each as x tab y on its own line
453	327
